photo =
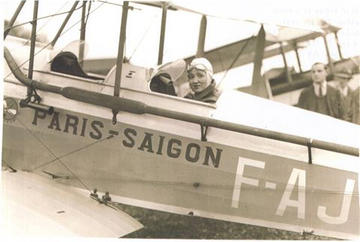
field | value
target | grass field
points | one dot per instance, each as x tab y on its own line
173	226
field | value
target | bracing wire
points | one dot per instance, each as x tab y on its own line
88	12
143	37
48	21
52	153
44	47
72	152
234	61
40	18
119	5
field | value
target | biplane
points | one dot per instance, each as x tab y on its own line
76	133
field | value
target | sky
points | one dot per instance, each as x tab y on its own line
225	24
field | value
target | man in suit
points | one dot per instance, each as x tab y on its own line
343	77
355	108
320	97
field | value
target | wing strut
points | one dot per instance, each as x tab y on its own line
33	39
297	56
202	34
162	33
64	23
82	34
258	84
286	67
331	65
120	56
338	45
13	19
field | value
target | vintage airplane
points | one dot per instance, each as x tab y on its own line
246	159
279	84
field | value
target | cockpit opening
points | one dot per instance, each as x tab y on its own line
67	62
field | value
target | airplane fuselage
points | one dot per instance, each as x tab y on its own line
162	163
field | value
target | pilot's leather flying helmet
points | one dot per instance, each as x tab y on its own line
201	64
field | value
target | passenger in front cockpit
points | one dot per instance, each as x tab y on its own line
202	84
169	78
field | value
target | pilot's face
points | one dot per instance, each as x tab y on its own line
198	80
318	73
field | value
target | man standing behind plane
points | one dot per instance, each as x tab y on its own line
202	84
343	76
355	107
320	97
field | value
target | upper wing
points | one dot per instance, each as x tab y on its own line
242	52
234	54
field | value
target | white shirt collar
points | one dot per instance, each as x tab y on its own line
317	88
344	91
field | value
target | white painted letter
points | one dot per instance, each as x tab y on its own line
239	179
345	208
300	175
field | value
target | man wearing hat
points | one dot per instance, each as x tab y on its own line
320	97
201	82
346	93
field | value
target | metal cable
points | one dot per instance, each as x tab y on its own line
52	153
29	22
119	5
72	152
143	37
235	59
19	66
48	21
88	12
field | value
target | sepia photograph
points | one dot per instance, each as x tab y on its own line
227	120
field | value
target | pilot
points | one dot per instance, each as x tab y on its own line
321	97
201	82
346	93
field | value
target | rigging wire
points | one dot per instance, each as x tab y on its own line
48	21
234	61
40	18
88	12
52	153
131	8
44	47
49	150
119	5
143	37
73	152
